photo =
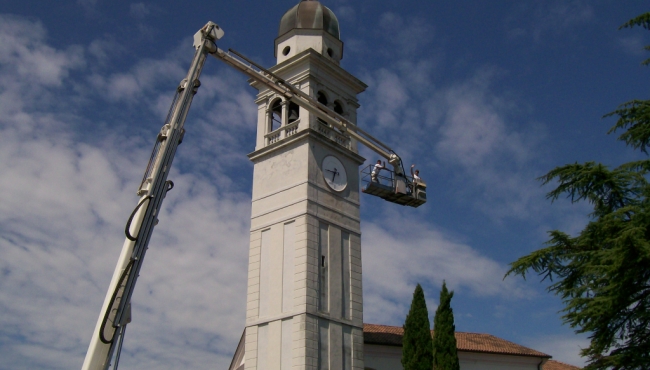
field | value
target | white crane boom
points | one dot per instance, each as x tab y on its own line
106	343
107	337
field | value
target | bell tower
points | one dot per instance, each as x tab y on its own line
304	305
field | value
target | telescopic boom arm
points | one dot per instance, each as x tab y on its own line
109	331
106	342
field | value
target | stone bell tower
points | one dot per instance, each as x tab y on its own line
304	306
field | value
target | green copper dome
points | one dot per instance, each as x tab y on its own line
310	14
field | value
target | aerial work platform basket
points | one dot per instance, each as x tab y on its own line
393	188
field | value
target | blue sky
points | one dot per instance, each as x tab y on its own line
484	97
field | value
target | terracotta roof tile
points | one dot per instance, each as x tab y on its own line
470	342
557	365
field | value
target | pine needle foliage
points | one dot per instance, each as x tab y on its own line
417	350
445	350
603	274
642	21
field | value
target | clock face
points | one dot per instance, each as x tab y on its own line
334	173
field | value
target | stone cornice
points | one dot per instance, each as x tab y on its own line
315	61
304	135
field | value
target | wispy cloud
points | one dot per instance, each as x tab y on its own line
143	78
389	99
474	131
87	3
399	256
63	205
407	36
345	13
633	45
105	49
139	10
480	136
550	18
24	53
564	348
470	127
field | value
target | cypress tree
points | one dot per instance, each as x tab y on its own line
445	352
417	350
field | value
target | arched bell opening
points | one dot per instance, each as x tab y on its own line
294	112
321	97
338	107
275	115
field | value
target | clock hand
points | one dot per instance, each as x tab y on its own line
334	173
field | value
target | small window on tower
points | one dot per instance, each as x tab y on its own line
294	112
276	115
338	108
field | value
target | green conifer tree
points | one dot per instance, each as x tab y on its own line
417	350
445	352
603	273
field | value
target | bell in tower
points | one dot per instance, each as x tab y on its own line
304	302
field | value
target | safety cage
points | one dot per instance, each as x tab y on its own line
395	188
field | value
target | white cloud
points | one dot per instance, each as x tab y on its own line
554	18
407	36
103	50
139	10
474	131
345	13
400	255
491	153
60	205
138	84
564	348
633	45
63	205
471	132
24	53
389	98
88	4
566	14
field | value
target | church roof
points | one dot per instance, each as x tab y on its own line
310	14
469	342
557	365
